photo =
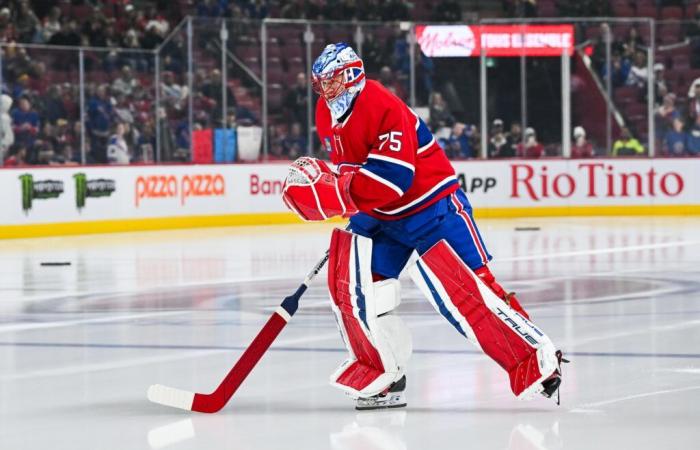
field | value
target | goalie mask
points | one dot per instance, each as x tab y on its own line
338	75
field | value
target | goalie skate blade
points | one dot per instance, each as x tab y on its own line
374	408
175	398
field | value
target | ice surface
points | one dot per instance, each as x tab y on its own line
80	344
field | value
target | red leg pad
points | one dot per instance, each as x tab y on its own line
496	327
346	290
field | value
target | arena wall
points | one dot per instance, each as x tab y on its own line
97	199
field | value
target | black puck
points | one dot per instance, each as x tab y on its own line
527	228
55	263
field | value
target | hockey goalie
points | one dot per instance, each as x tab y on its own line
395	184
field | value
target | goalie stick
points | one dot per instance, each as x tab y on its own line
211	403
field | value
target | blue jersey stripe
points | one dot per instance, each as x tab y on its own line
422	202
396	174
423	133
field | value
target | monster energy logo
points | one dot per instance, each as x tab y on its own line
38	190
85	188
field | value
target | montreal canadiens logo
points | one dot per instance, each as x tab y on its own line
446	40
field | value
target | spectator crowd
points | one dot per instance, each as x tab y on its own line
40	105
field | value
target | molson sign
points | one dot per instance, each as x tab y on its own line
496	40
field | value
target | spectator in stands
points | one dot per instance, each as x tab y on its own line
620	67
210	8
393	10
153	35
7	29
296	101
692	32
26	22
25	122
440	115
693	143
660	85
694	100
526	8
639	75
52	106
99	120
633	43
131	39
41	153
212	89
17	156
293	9
581	148
276	137
257	9
182	141
531	148
386	77
295	143
22	88
125	83
117	150
675	140
123	109
425	70
515	135
627	145
64	155
70	97
447	11
7	135
51	24
174	95
499	145
666	114
144	151
67	139
400	62
373	54
458	144
94	30
68	35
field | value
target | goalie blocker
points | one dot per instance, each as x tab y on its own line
506	336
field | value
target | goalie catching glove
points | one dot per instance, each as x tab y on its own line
314	192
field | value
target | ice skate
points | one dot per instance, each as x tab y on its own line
551	384
394	397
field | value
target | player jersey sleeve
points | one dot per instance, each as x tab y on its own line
388	172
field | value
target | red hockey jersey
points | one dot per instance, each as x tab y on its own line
400	167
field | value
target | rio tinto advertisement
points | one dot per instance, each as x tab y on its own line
495	40
72	194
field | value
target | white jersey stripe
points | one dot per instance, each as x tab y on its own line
417	118
389	159
421	198
386	183
426	146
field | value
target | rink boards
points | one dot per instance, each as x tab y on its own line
96	199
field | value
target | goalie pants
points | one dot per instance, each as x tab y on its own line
394	241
